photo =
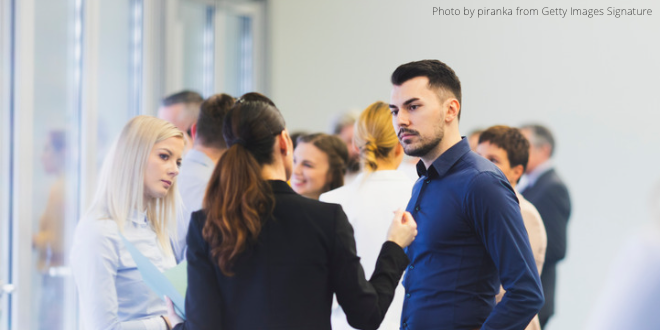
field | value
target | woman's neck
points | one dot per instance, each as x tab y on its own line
273	172
389	163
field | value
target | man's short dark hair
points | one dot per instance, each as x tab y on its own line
541	135
211	120
511	140
186	97
440	76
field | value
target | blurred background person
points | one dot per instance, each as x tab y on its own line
198	164
473	138
370	199
49	240
508	149
182	110
136	197
344	127
319	164
547	192
631	293
261	256
295	136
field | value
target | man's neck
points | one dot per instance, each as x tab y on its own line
448	141
210	152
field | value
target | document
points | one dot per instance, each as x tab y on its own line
172	283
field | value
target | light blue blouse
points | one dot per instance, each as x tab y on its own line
111	292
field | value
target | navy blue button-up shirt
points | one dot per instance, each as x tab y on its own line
470	239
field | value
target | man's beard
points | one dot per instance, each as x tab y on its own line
425	148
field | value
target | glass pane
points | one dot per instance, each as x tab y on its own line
238	54
52	155
194	21
114	74
5	131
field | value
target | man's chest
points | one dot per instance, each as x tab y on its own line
439	210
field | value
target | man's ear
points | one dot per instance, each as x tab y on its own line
548	150
453	109
193	132
518	171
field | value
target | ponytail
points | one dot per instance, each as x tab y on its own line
237	198
374	135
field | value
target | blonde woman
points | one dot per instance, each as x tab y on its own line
136	198
370	199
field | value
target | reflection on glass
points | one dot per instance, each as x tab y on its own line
48	241
54	74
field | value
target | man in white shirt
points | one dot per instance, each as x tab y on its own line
198	164
507	148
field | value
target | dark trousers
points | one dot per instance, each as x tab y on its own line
548	279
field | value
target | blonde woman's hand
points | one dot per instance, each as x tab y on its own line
172	318
403	228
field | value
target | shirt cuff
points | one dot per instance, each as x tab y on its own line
155	323
396	252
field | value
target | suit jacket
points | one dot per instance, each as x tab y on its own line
305	252
550	196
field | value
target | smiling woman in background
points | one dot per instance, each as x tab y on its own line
136	198
319	164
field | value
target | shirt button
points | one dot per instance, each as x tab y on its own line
416	208
407	295
412	267
405	324
428	181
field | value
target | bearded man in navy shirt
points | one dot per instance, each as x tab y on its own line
471	234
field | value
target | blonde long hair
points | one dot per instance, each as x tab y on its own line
120	189
374	135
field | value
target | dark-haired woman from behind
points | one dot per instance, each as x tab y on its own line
261	256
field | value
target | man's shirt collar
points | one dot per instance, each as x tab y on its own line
199	157
445	161
533	176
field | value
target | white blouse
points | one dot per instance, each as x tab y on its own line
369	202
111	292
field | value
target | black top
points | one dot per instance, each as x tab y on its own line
304	254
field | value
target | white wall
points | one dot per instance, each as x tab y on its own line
594	82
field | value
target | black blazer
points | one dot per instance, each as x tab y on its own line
550	197
305	253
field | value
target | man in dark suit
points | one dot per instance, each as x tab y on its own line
549	194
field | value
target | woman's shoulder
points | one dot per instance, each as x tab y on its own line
198	218
96	229
95	236
304	207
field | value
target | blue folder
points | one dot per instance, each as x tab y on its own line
172	283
